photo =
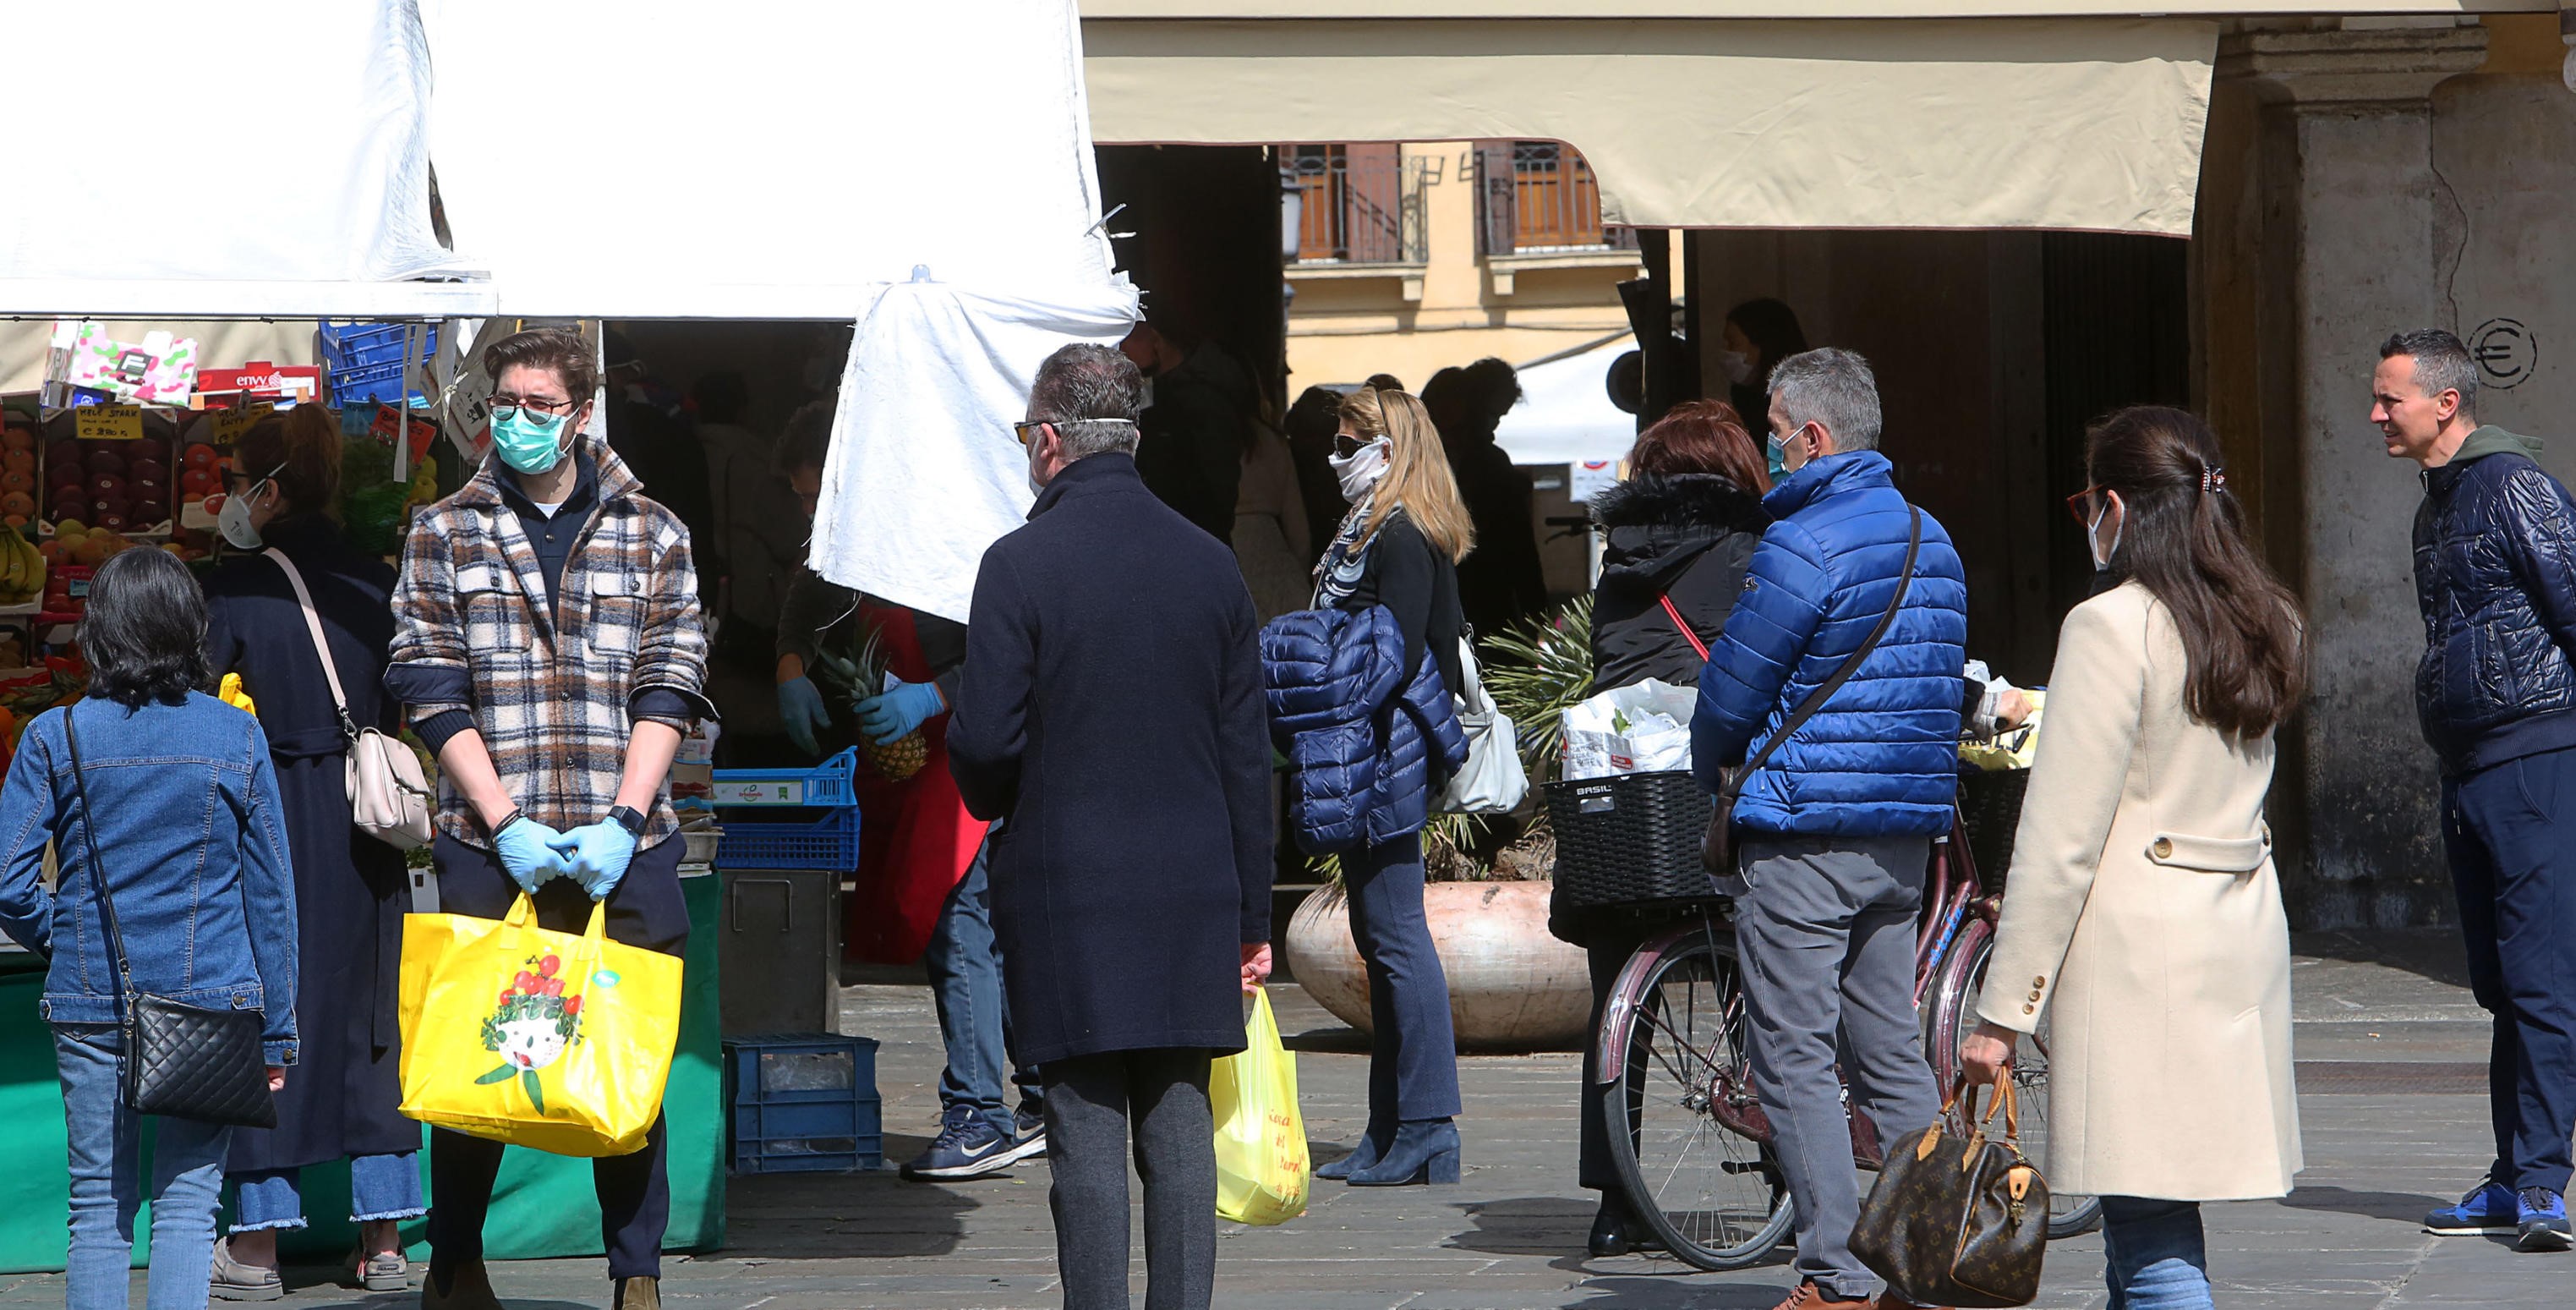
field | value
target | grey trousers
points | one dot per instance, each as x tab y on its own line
1092	1102
1826	933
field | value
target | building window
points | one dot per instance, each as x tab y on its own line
1357	204
1539	197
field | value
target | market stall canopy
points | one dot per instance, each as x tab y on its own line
764	158
2089	123
172	157
1565	415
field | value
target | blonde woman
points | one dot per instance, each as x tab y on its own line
2144	909
1399	547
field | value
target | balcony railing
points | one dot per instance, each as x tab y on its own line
1359	204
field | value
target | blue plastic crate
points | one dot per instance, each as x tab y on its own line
831	842
825	785
366	361
803	1103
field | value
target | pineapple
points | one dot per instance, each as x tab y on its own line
863	675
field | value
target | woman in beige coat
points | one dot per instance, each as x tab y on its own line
2142	907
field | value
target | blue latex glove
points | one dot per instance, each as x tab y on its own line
800	705
597	855
531	853
892	716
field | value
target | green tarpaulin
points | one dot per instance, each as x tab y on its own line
543	1206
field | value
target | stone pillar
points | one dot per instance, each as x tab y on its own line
2343	215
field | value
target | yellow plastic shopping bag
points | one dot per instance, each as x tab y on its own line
1261	1173
538	1038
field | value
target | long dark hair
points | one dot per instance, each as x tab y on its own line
1701	436
1773	329
144	631
2183	538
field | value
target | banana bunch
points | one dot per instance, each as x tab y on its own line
22	570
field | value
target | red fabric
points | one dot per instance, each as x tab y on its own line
916	839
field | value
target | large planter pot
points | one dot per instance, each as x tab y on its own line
1512	987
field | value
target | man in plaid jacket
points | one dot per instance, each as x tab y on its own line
548	648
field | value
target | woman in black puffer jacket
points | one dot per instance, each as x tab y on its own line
1683	525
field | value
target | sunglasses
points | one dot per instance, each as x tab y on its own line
2081	504
1346	445
1027	433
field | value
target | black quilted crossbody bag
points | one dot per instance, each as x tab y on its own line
179	1060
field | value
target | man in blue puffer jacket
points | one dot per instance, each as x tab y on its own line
1835	829
2495	573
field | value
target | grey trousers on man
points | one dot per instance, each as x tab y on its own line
1092	1103
1825	928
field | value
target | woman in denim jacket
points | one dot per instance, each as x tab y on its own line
188	826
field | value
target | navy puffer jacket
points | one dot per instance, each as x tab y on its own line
1363	754
1882	758
2495	573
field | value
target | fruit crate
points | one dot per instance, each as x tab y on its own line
831	842
802	1103
366	361
826	785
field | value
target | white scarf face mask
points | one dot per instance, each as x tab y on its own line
1361	470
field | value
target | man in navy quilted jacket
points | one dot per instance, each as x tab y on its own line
1834	831
2495	572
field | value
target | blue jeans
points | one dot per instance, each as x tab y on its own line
187	1182
380	1187
965	967
1413	1054
2508	834
2157	1260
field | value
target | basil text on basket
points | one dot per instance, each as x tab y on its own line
532	1026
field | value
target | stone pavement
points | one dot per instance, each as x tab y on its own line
2392	1057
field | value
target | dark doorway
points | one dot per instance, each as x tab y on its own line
2117	333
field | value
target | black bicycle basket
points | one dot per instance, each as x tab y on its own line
1629	841
1990	808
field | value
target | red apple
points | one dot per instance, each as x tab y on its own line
106	461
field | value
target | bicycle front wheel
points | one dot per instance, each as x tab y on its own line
1698	1168
1954	1021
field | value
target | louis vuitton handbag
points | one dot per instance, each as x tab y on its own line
180	1060
1958	1221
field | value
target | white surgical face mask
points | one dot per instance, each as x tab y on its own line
1361	470
233	520
1738	366
2102	556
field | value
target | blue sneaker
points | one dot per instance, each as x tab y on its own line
2490	1209
967	1147
2542	1220
1029	1135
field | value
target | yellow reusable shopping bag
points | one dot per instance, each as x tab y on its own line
1261	1173
534	1037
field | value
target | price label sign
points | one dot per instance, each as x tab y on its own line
108	423
226	426
758	793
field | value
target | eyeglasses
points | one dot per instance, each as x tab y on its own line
1027	432
2081	504
1346	445
1027	429
245	484
506	408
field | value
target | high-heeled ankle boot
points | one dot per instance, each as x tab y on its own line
1371	1149
1424	1151
1609	1237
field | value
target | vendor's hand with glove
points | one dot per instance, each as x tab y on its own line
894	714
800	707
529	852
598	853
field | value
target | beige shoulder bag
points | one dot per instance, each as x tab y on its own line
389	796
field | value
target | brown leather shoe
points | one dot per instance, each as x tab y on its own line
1811	1297
639	1294
466	1287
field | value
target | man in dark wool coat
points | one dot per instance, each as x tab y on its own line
1110	715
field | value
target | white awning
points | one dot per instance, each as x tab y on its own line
1565	415
2066	123
170	157
764	158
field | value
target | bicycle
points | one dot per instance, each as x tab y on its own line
1690	1139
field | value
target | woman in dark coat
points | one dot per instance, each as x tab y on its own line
1399	547
1758	334
351	887
1683	525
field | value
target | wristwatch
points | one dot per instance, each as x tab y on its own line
624	816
